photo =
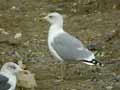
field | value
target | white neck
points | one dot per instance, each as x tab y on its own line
55	30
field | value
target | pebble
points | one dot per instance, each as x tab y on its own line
109	87
2	30
18	35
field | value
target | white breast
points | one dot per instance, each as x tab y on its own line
13	82
53	32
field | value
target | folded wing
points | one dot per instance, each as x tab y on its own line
70	48
4	85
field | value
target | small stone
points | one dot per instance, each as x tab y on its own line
98	20
2	29
2	53
13	7
18	35
26	79
74	4
58	81
73	89
4	32
109	87
73	10
27	43
114	6
0	14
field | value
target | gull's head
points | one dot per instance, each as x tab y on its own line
54	18
11	67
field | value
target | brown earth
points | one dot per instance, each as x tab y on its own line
94	22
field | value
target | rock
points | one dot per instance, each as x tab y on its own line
26	79
2	30
18	35
109	87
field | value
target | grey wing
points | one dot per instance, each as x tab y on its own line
4	85
70	48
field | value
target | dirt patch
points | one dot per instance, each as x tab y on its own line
92	21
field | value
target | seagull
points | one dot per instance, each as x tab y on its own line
64	46
8	76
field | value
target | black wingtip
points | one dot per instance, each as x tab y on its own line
93	62
96	62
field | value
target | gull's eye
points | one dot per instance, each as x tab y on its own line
50	16
12	67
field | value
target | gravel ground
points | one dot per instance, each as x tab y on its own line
23	36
